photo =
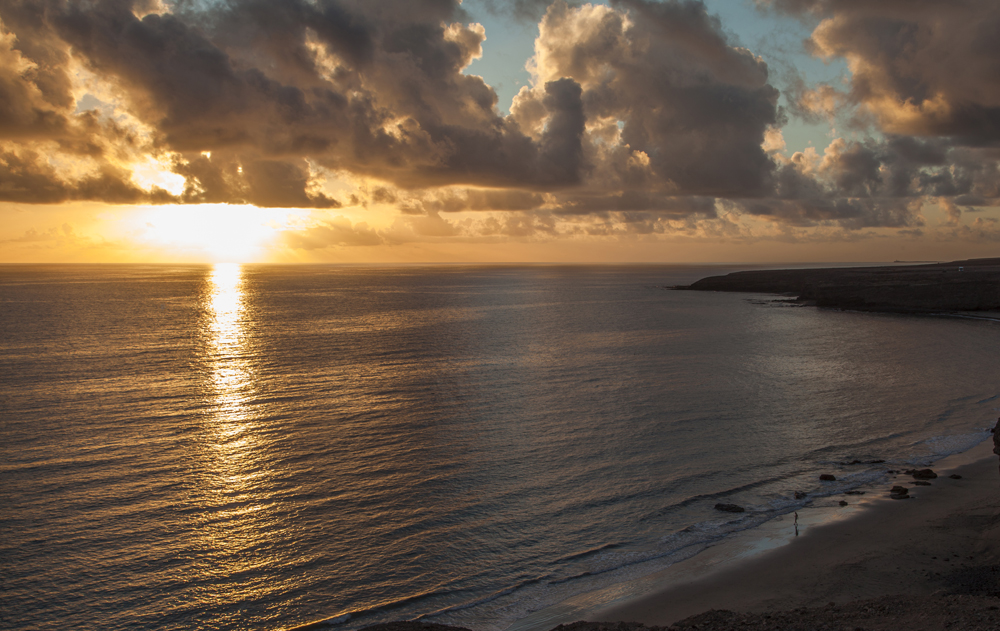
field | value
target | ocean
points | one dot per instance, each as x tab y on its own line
257	447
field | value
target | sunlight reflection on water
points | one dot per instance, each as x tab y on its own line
231	376
236	520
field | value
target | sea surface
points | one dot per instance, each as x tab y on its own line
255	447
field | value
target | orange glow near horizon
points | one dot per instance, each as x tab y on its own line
223	233
219	233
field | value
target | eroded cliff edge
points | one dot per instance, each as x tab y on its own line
972	285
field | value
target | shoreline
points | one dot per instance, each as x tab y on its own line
946	538
874	547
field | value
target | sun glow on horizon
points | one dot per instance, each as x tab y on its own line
218	233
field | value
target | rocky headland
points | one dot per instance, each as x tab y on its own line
972	285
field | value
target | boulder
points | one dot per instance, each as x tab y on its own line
730	508
923	474
899	489
843	503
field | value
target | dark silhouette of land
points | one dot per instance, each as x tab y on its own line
972	285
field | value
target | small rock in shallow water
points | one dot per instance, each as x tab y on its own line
899	496
843	503
730	508
854	492
899	489
800	495
921	483
924	474
827	477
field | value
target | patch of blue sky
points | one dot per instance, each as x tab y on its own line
776	38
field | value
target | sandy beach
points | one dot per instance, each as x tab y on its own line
939	548
927	563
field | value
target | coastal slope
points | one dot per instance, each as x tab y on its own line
972	285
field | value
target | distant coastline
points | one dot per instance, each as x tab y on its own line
959	286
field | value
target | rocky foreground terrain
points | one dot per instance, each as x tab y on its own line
972	285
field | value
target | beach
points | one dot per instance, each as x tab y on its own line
937	551
930	563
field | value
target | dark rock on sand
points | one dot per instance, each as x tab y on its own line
955	476
921	483
899	496
827	477
843	503
730	508
923	474
899	489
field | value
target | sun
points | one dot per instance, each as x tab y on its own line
217	233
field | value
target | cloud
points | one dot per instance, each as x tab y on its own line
378	90
670	104
27	176
918	67
641	116
370	88
337	232
524	10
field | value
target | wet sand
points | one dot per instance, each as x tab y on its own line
945	540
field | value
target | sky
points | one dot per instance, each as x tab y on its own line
425	131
